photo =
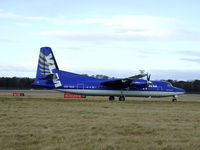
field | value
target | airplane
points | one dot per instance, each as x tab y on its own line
49	76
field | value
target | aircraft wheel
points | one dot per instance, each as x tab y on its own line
111	98
174	100
122	98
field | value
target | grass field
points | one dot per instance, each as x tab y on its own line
50	122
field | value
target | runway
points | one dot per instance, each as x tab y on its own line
54	91
30	91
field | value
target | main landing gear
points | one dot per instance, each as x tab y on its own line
121	98
111	98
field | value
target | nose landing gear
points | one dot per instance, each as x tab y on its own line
174	98
122	97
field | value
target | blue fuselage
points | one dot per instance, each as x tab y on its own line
81	84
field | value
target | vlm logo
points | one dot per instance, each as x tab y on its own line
52	66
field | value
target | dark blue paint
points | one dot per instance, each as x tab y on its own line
76	81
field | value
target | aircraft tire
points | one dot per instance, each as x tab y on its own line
121	98
111	98
174	100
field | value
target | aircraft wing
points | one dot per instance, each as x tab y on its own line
122	83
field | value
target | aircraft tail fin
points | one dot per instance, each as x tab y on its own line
47	70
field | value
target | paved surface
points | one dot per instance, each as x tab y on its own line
194	95
54	91
30	91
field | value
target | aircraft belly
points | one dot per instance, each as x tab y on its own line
118	93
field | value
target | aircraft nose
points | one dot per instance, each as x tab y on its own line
179	90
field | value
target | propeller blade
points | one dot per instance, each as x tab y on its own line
148	79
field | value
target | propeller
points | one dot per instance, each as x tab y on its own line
148	79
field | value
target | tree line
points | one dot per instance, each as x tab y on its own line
16	83
26	83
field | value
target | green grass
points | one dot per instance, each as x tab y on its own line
50	122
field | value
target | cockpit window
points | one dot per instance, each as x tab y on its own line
169	85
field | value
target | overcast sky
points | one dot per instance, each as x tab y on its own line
111	37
